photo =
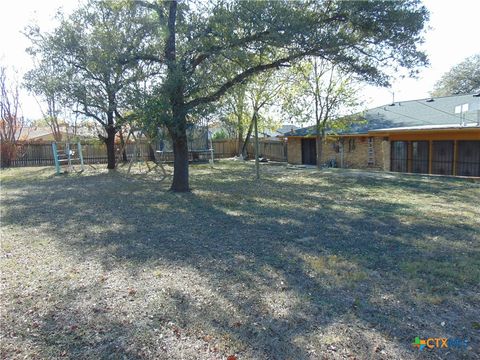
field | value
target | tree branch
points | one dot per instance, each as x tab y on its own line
90	114
215	49
238	79
152	6
145	57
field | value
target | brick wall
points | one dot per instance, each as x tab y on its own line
355	154
385	148
294	151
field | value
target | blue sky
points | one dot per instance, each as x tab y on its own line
452	36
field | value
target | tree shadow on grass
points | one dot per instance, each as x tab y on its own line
274	284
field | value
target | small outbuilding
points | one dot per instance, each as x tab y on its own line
426	136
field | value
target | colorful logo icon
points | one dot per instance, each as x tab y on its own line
419	343
439	343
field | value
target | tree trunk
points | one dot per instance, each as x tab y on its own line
57	134
319	150
7	150
110	142
257	163
318	143
247	138
151	152
178	130
180	160
239	141
124	148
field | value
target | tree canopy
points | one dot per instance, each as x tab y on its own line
463	78
85	49
212	47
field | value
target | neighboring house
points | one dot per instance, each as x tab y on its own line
428	136
273	133
42	134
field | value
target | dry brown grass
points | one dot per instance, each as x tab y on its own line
303	264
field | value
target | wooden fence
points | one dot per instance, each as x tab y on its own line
40	154
275	150
224	148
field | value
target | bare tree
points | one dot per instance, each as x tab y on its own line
324	92
44	81
11	123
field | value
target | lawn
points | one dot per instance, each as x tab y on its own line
300	265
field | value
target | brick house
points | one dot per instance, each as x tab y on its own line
428	136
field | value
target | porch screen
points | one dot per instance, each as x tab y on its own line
398	157
442	157
420	157
468	158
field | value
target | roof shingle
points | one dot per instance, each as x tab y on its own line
403	114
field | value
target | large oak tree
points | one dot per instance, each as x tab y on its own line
209	48
88	48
